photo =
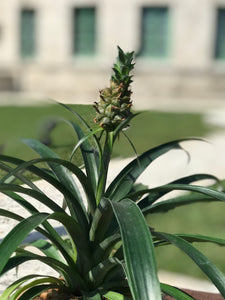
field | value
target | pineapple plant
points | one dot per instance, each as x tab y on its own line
109	249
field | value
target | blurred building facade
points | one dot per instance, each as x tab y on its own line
65	49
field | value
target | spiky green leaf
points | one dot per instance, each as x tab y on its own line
138	250
124	181
175	292
210	270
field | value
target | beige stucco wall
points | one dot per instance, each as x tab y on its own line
189	71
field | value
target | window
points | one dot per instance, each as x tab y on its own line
154	32
220	34
28	33
84	31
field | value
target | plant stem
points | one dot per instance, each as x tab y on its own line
104	166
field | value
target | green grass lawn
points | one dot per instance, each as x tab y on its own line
151	128
148	129
21	122
206	219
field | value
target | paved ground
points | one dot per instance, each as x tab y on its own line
205	157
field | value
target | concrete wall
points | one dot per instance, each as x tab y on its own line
190	71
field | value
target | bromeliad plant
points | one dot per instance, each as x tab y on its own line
109	250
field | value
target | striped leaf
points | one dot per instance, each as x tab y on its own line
140	265
210	270
124	181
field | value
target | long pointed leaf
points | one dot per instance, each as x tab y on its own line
103	250
208	195
49	233
32	289
210	270
20	200
69	273
17	235
175	292
63	175
166	205
33	193
9	214
154	196
46	248
24	256
91	164
78	116
124	181
78	237
101	219
192	238
99	272
8	291
72	201
19	176
138	249
85	124
104	166
123	125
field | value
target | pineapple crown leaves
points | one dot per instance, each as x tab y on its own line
115	103
123	67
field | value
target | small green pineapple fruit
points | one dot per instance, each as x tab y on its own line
115	101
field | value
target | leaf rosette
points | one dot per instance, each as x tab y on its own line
109	249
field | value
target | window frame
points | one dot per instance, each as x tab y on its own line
28	45
75	47
217	35
167	39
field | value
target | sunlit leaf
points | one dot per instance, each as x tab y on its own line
138	250
210	270
175	292
124	181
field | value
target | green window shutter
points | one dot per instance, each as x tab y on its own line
84	31
27	33
154	32
220	34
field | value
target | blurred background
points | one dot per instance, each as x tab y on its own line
65	50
